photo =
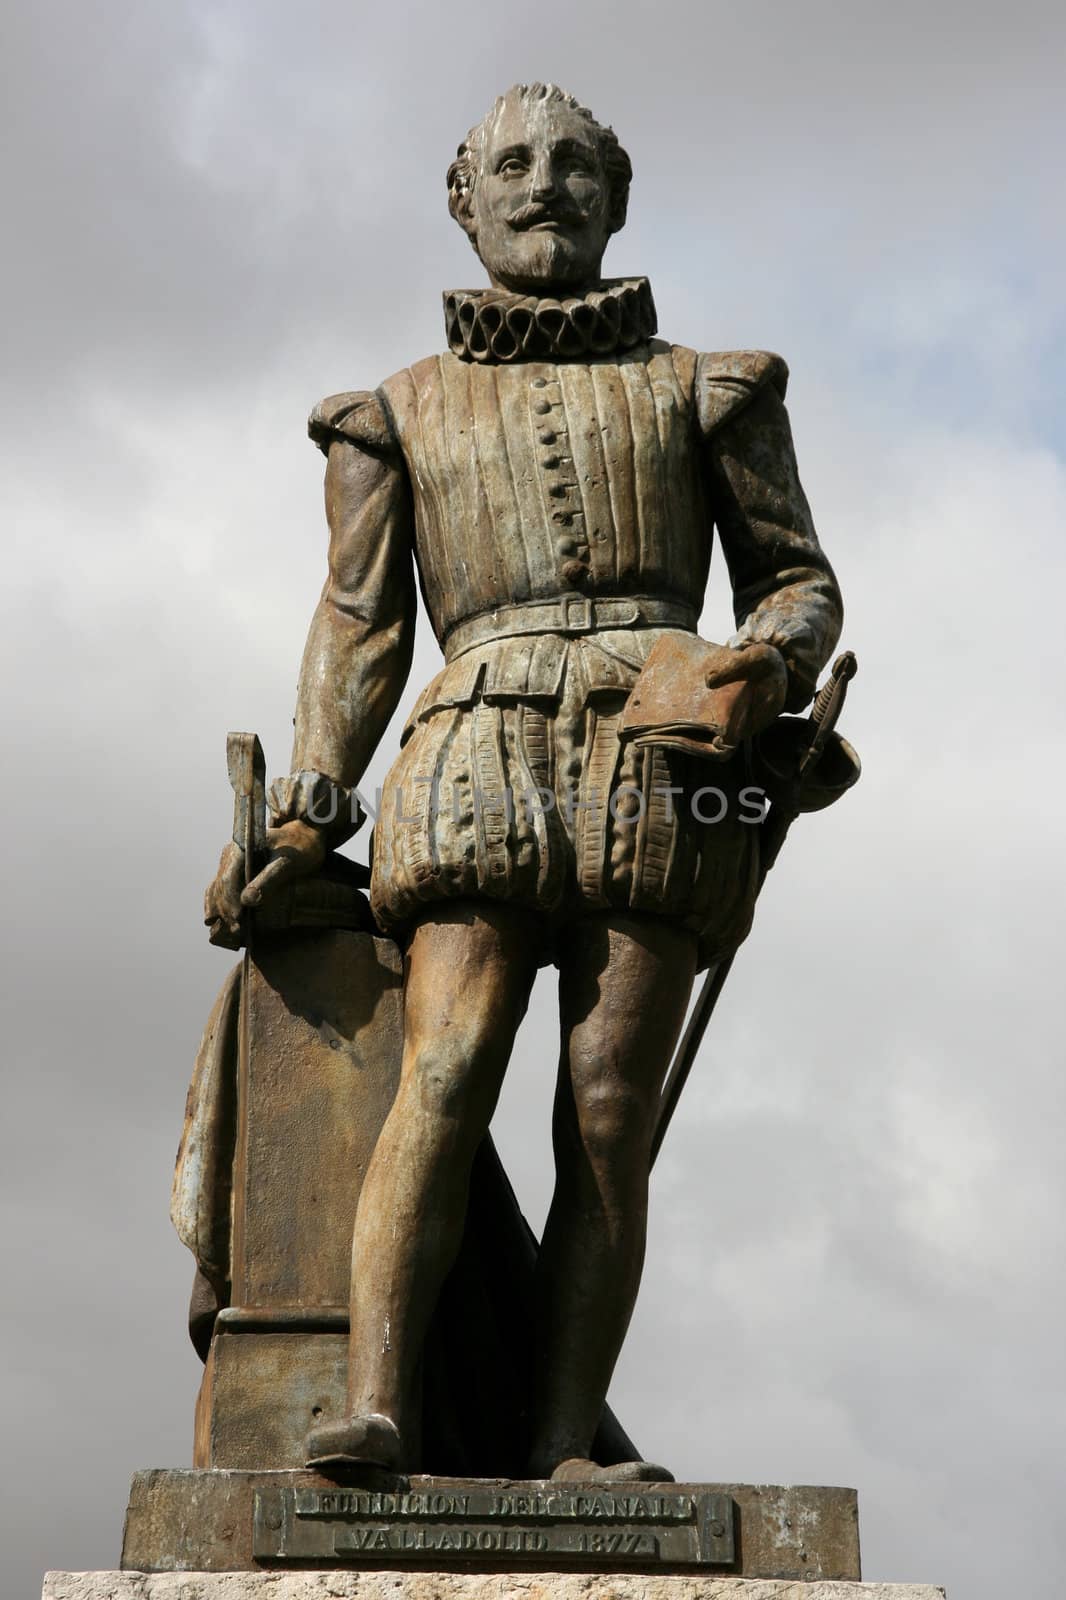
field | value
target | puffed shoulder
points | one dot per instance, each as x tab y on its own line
729	379
358	415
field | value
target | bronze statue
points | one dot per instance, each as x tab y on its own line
552	481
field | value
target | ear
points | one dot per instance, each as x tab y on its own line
464	216
617	206
461	180
461	207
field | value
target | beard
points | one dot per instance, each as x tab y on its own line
536	261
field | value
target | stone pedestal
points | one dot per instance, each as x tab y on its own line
453	1586
190	1521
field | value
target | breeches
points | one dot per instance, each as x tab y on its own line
544	807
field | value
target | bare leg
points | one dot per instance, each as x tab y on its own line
467	981
623	989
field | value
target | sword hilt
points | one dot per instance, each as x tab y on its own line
828	704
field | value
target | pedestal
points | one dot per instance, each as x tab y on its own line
452	1586
190	1521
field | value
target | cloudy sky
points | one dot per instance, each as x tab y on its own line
218	213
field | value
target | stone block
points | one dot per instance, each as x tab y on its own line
346	1585
189	1520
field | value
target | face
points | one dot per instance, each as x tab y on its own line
539	211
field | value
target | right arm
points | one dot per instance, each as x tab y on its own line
358	652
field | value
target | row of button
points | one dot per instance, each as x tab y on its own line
567	511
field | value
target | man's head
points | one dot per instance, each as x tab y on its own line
539	186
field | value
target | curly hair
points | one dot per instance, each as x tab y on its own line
463	172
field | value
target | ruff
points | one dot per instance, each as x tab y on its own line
494	325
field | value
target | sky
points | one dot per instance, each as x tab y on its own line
217	214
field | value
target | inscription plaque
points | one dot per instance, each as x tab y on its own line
493	1523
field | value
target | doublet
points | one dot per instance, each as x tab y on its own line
536	479
561	515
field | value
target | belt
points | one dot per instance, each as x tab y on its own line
569	614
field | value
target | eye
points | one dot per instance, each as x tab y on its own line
511	168
576	165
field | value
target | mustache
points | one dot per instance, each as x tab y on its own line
528	216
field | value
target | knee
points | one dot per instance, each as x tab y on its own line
614	1117
446	1078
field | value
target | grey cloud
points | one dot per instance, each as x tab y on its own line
218	213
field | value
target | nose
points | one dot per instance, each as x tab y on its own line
542	185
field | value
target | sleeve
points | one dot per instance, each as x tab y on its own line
784	590
358	416
358	652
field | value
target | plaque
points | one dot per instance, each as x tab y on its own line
582	1525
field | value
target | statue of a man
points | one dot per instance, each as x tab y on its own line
553	479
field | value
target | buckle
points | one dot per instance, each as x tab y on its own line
577	614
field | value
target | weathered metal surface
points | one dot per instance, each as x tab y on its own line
518	1525
182	1521
325	1033
272	1374
264	1392
246	765
556	475
324	1029
703	698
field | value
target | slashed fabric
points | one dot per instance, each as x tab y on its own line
531	798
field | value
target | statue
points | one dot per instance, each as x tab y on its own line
579	783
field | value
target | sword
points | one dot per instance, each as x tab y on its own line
827	707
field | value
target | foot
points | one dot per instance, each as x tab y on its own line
367	1441
580	1470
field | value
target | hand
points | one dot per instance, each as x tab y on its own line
297	850
751	690
222	897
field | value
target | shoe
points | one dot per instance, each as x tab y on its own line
367	1441
579	1470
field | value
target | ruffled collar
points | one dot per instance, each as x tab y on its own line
493	325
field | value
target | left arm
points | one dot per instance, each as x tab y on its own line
784	591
